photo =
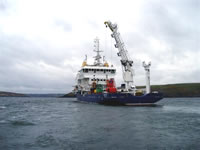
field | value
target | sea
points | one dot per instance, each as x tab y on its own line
67	124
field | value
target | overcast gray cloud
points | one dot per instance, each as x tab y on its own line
2	5
43	43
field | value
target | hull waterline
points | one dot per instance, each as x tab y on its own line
121	98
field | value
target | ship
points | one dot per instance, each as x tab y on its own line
96	82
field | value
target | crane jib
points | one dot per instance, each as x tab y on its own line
126	62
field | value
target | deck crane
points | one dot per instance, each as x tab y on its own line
126	62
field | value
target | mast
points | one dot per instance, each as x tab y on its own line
147	70
96	49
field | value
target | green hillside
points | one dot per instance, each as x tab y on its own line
10	94
170	90
71	94
178	90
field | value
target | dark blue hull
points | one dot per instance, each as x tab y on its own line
121	98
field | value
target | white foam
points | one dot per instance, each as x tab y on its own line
2	107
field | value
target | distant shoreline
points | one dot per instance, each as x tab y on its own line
180	90
10	94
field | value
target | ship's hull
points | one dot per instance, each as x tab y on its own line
120	98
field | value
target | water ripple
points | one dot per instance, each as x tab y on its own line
21	123
2	107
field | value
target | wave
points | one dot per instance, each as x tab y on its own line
21	123
183	109
3	122
2	107
46	140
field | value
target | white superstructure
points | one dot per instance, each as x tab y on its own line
98	72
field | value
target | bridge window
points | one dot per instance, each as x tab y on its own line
112	71
85	70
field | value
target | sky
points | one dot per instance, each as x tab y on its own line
44	42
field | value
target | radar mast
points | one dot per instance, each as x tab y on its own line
96	49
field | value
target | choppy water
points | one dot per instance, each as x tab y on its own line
61	123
